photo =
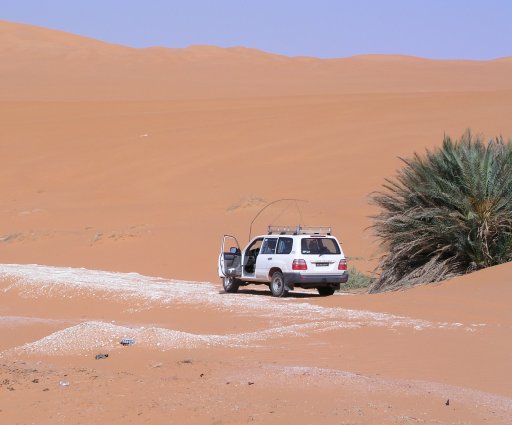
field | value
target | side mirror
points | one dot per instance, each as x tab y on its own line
234	250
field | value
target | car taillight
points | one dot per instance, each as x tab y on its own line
299	265
342	265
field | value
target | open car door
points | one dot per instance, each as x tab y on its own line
230	259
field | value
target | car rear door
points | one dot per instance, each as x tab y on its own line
322	254
266	258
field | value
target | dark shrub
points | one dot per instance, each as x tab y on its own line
446	213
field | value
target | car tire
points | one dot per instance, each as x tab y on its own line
230	284
277	286
325	291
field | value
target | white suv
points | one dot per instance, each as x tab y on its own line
306	257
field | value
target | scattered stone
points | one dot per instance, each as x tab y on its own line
35	381
10	237
250	383
250	201
447	402
97	237
46	389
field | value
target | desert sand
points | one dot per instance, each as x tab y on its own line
121	170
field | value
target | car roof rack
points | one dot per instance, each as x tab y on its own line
299	230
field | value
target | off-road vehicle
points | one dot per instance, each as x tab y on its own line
285	258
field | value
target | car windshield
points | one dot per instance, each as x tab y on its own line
319	246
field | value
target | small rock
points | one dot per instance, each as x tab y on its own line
101	356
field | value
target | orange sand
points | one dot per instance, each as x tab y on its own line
126	159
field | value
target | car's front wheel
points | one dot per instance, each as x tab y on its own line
277	286
230	284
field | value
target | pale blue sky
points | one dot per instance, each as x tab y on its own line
457	29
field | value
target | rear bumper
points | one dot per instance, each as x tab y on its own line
314	281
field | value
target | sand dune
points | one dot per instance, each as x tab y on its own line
42	64
137	186
151	186
138	160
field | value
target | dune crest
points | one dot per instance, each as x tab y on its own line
43	64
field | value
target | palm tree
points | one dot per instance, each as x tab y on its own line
446	213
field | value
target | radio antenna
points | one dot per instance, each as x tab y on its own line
275	202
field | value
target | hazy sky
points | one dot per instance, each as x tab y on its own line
458	29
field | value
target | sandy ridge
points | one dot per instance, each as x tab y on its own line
62	66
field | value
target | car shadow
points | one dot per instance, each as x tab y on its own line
267	293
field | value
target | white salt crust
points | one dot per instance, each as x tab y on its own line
296	317
95	335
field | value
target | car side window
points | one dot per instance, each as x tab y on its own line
269	246
284	246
